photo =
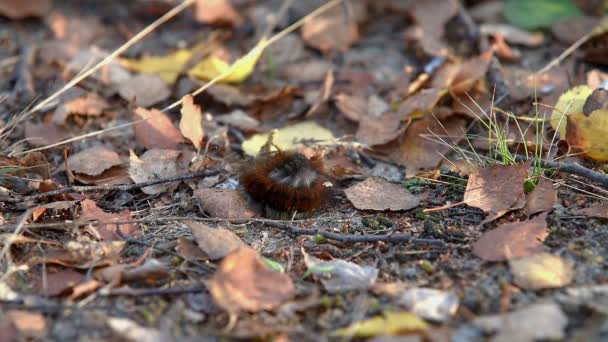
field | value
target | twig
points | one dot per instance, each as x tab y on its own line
121	187
351	238
151	292
572	168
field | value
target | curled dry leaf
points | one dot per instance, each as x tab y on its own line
156	130
497	189
107	232
332	30
191	123
245	282
418	153
220	12
154	164
513	240
94	161
145	89
215	242
225	203
24	8
542	321
541	271
542	198
375	193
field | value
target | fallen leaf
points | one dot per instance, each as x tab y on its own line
24	8
332	30
306	71
539	13
107	232
496	189
133	332
111	73
145	89
29	324
191	123
431	304
43	134
418	153
542	198
469	73
541	271
94	161
375	193
289	137
225	203
188	250
58	283
513	240
542	321
380	130
421	103
230	95
571	102
339	275
597	210
83	255
115	175
217	12
156	131
212	66
352	106
151	271
588	134
390	323
244	281
168	67
513	34
215	242
90	104
239	119
152	165
431	17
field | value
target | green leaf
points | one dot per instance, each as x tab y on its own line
539	13
274	265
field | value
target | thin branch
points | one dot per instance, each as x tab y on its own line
351	238
152	292
572	168
120	187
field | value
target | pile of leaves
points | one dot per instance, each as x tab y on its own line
467	160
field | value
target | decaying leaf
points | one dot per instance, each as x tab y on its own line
389	323
215	242
289	137
513	240
542	198
152	165
94	161
245	282
380	130
225	203
156	130
496	189
43	134
107	232
90	104
541	271
378	194
191	123
331	30
145	89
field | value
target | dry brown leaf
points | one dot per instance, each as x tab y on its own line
333	30
111	73
375	193
380	130
82	255
107	232
496	189
244	282
156	131
319	104
24	8
94	161
151	271
239	119
469	73
60	282
29	324
420	103
90	104
225	203
309	70
513	240
542	198
145	89
191	123
432	16
352	106
154	164
541	271
597	210
417	153
114	175
215	242
188	250
43	134
219	12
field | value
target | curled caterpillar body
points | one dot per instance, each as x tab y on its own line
286	181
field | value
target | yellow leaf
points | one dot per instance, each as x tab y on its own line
571	102
391	323
288	137
212	66
589	134
191	123
168	67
